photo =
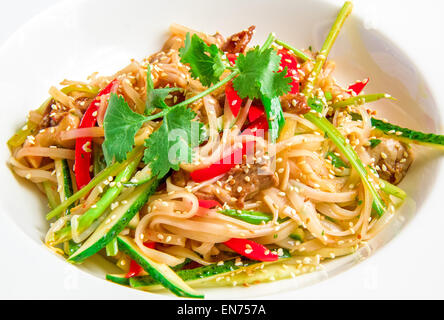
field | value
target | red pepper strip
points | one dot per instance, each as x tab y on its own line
251	249
232	58
218	168
258	126
288	60
83	145
205	206
150	244
208	204
255	112
225	164
134	270
233	99
358	86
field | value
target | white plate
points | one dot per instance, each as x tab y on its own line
74	39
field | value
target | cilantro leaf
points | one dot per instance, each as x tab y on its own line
374	142
155	98
315	104
336	161
258	75
121	125
328	96
205	61
172	143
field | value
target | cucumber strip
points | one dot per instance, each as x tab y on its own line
409	135
181	265
110	195
99	163
249	216
118	278
51	193
116	221
109	171
112	248
65	189
191	275
64	180
253	217
404	134
247	272
204	273
134	222
250	276
141	177
158	271
298	234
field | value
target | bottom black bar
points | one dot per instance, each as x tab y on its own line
209	309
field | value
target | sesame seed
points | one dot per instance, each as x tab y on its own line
86	146
114	205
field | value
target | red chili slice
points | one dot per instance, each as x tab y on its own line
225	164
208	204
358	86
288	60
134	270
255	112
251	249
150	244
233	99
83	145
232	57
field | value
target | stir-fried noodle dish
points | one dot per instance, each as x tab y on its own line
214	162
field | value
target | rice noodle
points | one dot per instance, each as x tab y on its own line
308	196
92	132
53	153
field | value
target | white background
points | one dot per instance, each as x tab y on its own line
418	28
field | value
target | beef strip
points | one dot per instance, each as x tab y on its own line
246	181
238	42
393	158
294	103
180	178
